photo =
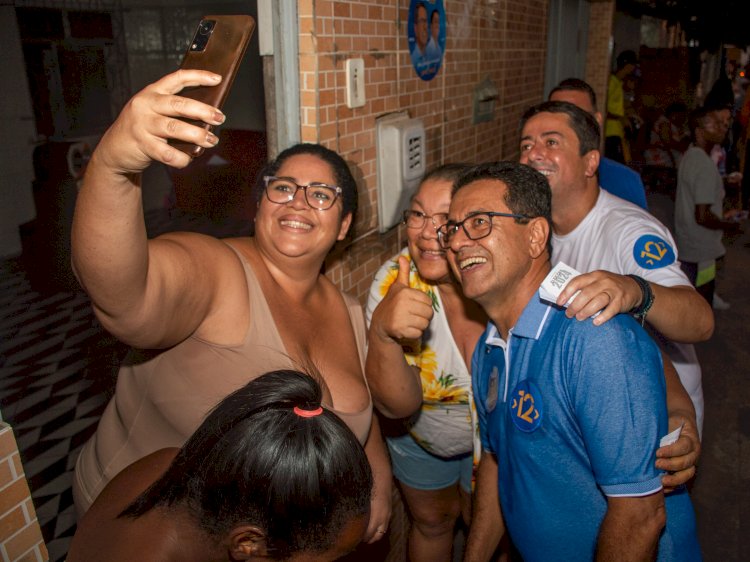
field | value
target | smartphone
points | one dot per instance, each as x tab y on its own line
218	45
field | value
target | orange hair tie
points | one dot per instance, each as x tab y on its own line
308	413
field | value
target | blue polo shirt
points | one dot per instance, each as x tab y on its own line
622	181
574	413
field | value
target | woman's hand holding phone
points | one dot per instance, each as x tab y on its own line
219	45
156	115
171	120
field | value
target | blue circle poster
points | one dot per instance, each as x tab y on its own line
426	31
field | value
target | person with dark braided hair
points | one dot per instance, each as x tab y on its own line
269	474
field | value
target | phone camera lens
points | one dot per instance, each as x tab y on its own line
205	28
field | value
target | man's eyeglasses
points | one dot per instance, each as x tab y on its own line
475	226
319	196
417	219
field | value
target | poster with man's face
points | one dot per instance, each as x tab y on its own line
426	32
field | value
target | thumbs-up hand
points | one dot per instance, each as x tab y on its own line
404	269
404	313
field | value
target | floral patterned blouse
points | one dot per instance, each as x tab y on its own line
443	426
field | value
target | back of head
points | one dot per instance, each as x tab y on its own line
583	124
342	173
576	85
256	461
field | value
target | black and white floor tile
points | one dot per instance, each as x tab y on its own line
57	372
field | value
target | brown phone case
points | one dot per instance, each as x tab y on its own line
219	44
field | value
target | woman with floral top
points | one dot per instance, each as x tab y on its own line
422	334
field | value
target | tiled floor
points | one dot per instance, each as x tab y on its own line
57	369
57	372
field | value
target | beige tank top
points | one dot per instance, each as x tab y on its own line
161	399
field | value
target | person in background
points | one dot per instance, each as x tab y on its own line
700	218
725	94
615	143
422	334
669	137
722	92
551	392
260	479
616	178
216	313
722	155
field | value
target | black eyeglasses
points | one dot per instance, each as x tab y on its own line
417	219
319	196
475	226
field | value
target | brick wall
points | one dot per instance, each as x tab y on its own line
501	39
504	40
598	57
20	536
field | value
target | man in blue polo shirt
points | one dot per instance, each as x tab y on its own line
570	414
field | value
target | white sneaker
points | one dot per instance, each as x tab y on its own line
720	304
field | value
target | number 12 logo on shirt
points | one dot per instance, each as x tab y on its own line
526	406
653	252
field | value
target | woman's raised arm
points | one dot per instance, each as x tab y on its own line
147	293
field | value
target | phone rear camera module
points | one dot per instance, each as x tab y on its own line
205	29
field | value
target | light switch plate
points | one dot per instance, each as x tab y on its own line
355	83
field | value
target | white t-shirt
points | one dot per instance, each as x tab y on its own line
620	237
698	183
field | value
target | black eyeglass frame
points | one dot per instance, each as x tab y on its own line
445	240
411	212
337	191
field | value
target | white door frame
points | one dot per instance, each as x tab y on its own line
278	38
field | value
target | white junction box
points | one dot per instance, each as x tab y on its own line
401	164
355	83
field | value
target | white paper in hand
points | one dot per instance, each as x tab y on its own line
671	437
555	282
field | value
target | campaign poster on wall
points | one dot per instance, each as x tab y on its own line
426	32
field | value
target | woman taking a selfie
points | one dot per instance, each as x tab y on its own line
222	311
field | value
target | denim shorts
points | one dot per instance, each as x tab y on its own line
421	470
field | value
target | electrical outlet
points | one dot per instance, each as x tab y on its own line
355	83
